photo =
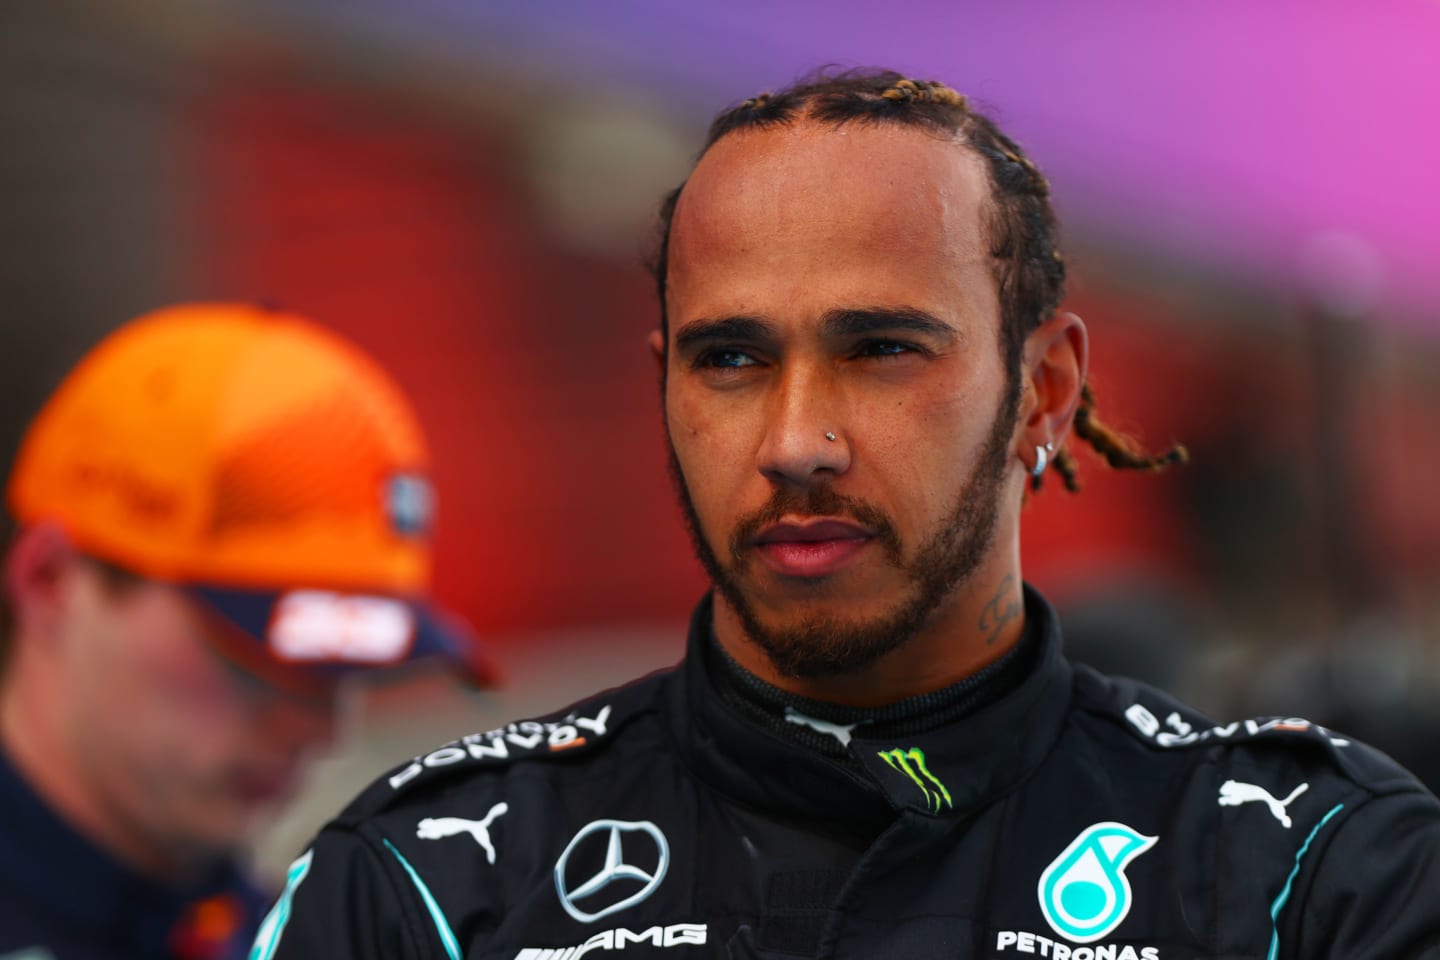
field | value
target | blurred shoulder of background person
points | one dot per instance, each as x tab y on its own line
222	513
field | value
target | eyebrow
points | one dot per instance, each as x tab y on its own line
853	322
845	321
698	332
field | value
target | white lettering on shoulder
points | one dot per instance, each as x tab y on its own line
512	741
1183	734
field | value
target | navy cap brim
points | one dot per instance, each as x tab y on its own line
436	636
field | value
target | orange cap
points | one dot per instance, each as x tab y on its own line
233	447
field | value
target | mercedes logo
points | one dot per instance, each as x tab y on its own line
615	868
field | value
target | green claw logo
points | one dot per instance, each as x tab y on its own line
912	763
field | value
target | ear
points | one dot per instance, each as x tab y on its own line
39	561
657	348
1054	363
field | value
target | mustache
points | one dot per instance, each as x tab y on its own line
817	501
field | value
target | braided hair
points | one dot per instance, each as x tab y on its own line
1021	225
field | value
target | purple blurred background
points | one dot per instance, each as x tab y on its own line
1237	133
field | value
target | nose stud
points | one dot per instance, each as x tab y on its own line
830	436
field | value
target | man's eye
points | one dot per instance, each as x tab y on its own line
884	348
724	359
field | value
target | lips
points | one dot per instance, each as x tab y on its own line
811	549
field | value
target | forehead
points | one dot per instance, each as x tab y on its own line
809	198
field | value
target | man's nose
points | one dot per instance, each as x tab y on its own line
805	438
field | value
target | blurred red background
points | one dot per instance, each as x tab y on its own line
467	193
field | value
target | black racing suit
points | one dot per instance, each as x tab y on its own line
1075	818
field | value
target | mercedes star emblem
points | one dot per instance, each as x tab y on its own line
615	868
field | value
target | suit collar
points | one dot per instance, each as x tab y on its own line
947	771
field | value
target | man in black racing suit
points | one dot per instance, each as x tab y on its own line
874	746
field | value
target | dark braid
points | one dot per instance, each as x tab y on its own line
1022	228
1119	451
1065	466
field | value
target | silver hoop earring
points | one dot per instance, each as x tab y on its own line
830	437
1042	459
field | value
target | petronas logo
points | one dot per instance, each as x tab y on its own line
1084	893
912	763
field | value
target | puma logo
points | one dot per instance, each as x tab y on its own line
840	731
436	828
1233	793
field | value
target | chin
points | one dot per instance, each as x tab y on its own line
236	834
862	577
843	601
203	844
234	823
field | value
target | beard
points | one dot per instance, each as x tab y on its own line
820	645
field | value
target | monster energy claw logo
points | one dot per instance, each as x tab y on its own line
912	763
1084	892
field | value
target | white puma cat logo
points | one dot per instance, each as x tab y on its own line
1233	793
840	731
436	828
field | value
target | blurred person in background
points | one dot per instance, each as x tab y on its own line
874	746
222	512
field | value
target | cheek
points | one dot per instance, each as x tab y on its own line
691	417
177	702
920	448
204	702
716	449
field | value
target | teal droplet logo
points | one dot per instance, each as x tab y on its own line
1084	893
1083	900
